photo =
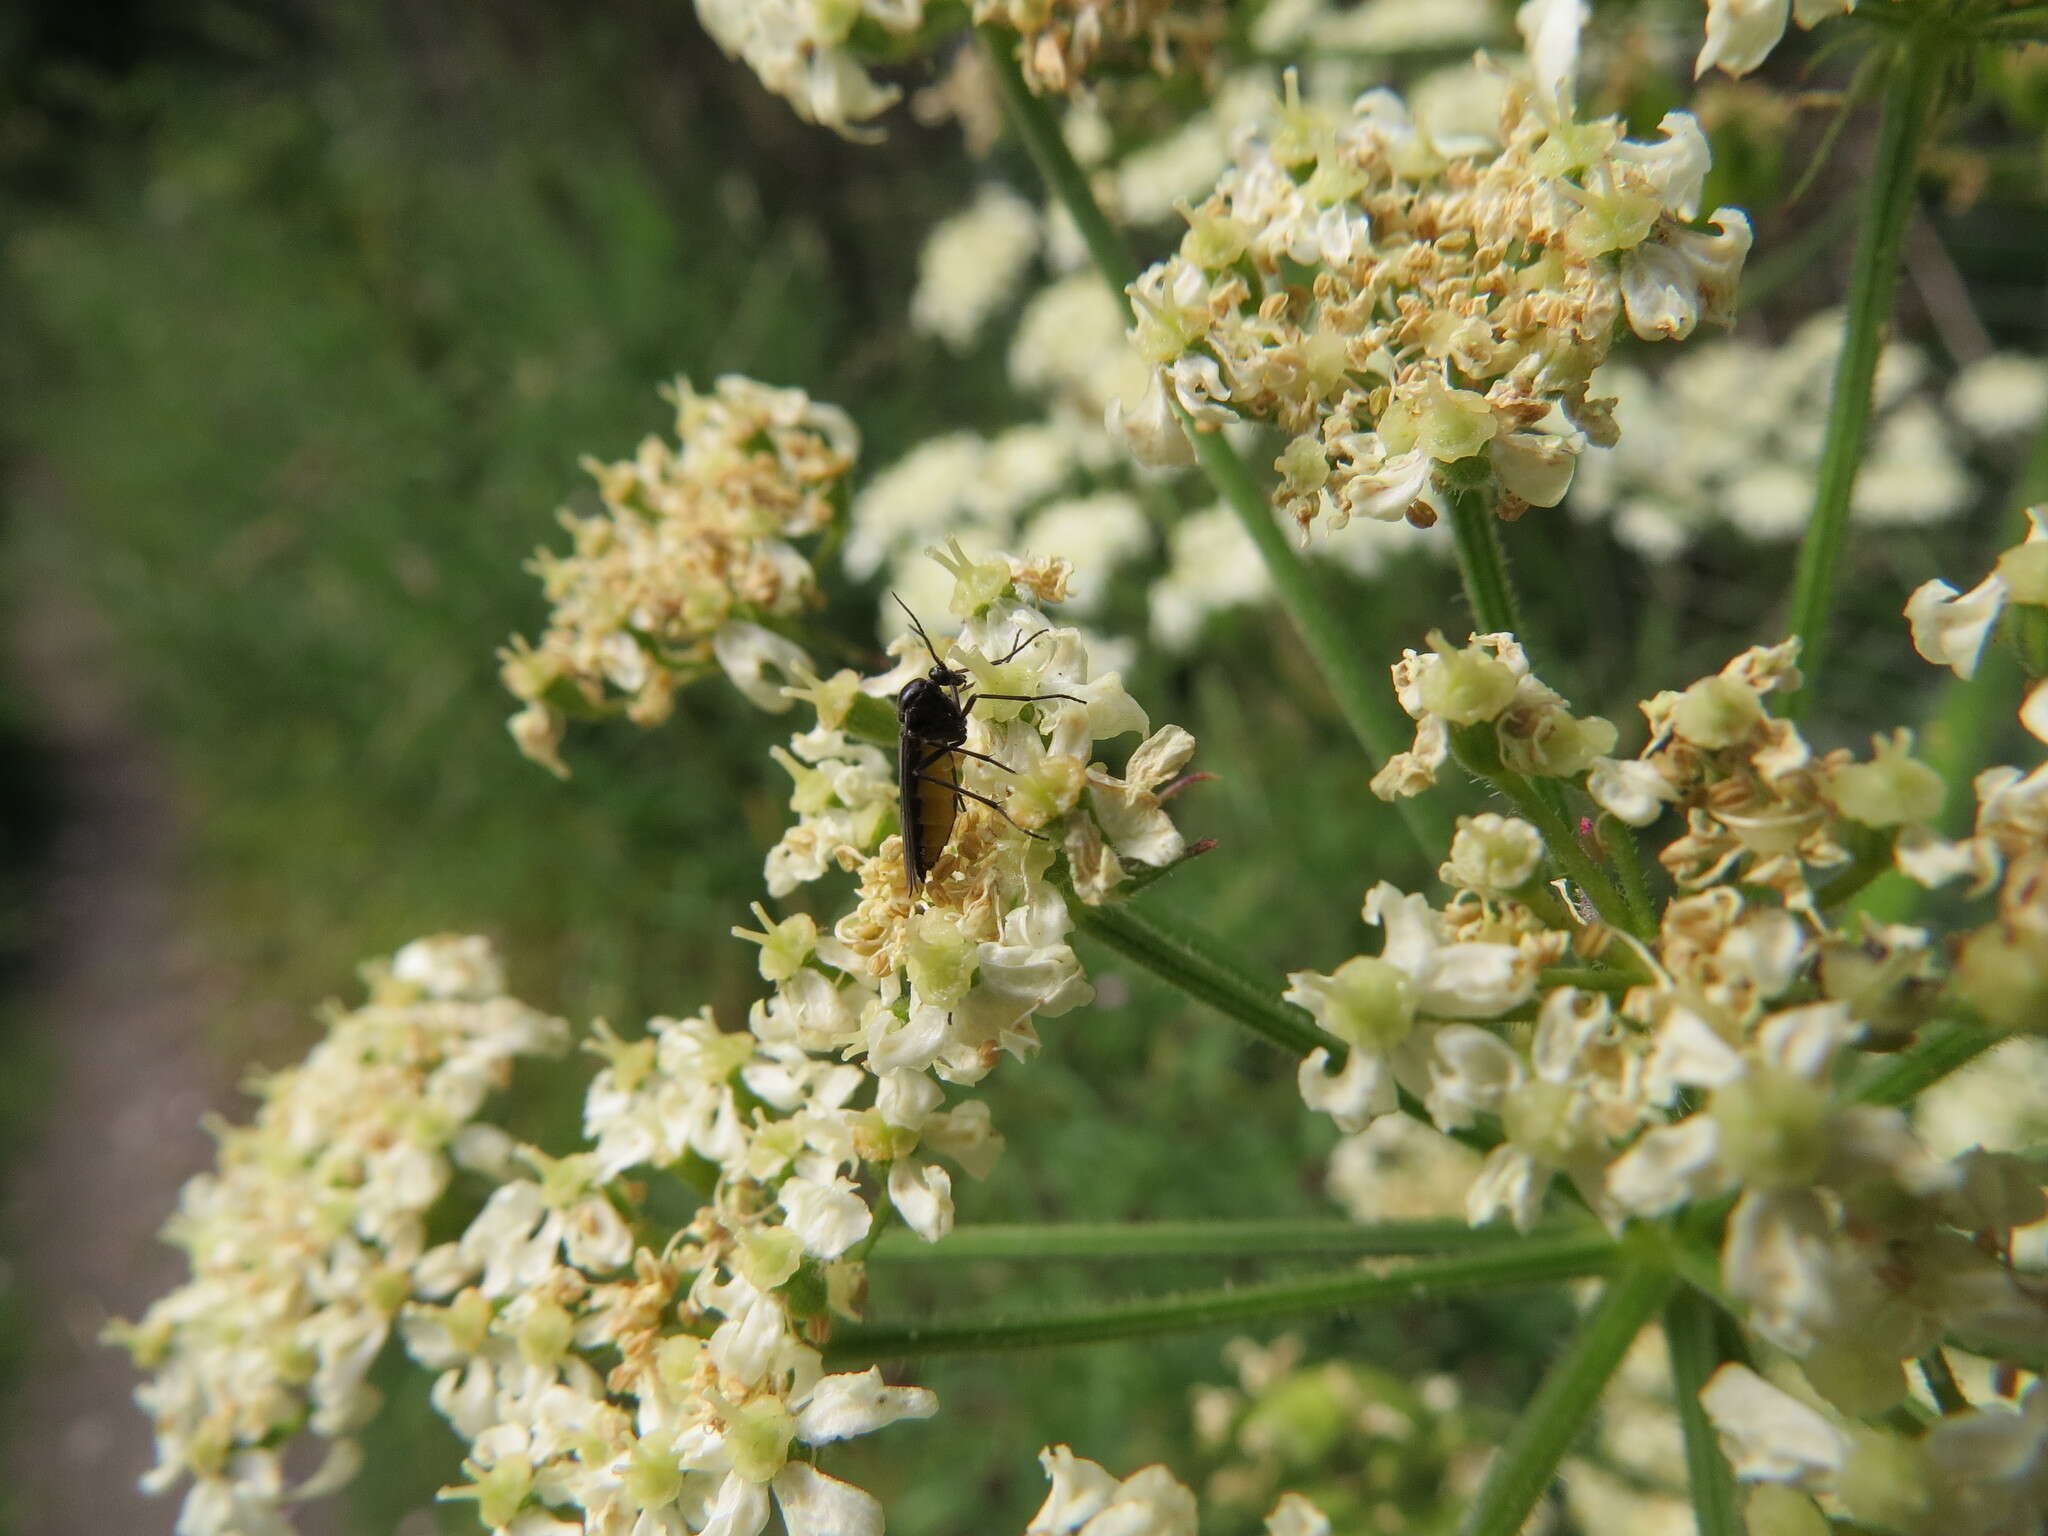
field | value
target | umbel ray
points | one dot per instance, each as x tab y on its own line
931	738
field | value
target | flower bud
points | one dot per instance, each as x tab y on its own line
501	1488
1366	1002
1853	1376
767	1256
2003	974
2024	569
1717	712
1538	1118
940	957
758	1439
545	1334
1892	789
1884	1480
1773	1128
1492	854
1775	1510
1467	686
1558	746
1046	791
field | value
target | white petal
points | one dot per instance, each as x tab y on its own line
1353	1096
2034	712
1470	1071
1667	1167
1950	629
1769	1435
830	1218
1633	791
841	1407
923	1194
816	1505
748	653
1152	432
1080	1489
741	1508
1741	34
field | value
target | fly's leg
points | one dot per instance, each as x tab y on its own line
958	789
1017	698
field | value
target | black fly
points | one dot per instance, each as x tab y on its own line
931	720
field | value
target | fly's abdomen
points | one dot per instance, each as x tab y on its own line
933	808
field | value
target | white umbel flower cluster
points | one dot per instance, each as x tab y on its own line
1729	434
803	51
305	1239
1416	314
689	563
1708	1057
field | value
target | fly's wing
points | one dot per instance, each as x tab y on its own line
927	803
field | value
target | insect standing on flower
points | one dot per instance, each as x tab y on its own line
931	721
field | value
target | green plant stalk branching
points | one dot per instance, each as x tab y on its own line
1254	1239
1689	1335
1533	1261
1482	564
1558	1412
1361	692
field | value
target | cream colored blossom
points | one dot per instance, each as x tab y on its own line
1741	33
971	265
1358	366
304	1238
800	49
688	563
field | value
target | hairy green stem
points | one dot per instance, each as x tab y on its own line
1940	1050
1553	1418
1910	94
1689	1334
1256	1239
1618	842
1362	693
1530	1262
1482	565
1201	967
1561	841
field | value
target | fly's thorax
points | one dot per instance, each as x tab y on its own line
927	710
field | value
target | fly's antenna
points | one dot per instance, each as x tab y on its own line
914	624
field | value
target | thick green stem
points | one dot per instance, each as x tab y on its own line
1062	175
1514	1266
1258	1239
1482	565
1207	970
1689	1334
1553	1418
1561	841
1362	693
1618	842
1910	93
1198	965
1940	1050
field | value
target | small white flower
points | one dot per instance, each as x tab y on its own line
1950	628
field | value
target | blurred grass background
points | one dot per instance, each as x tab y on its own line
311	312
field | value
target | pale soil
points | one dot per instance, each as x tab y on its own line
117	998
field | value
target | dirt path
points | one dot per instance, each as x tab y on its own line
119	998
